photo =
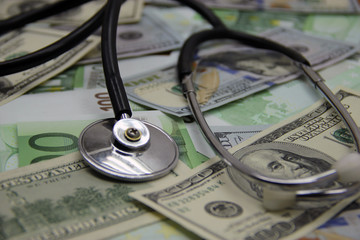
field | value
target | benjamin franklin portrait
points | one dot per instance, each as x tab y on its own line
278	160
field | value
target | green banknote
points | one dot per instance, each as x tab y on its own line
279	102
40	141
9	151
26	143
63	82
257	22
339	27
335	26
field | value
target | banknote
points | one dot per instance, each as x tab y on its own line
335	26
215	192
185	21
64	81
70	105
279	102
11	8
256	22
24	41
91	76
347	6
228	135
64	198
130	12
229	72
150	35
28	142
339	27
344	226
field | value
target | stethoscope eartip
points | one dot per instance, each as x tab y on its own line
348	168
276	200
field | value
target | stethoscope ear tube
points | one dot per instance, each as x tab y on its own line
289	184
297	189
278	193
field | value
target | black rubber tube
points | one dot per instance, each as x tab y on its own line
33	15
55	49
114	83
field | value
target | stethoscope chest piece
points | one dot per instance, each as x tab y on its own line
128	149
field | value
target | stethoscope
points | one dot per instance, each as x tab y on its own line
128	149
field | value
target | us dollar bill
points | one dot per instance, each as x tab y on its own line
150	35
304	145
229	72
228	136
65	199
130	12
27	40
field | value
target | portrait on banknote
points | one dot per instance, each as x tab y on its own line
278	160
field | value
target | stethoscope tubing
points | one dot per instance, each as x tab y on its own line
107	17
304	189
184	70
319	83
55	49
114	83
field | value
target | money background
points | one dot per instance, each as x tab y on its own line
69	93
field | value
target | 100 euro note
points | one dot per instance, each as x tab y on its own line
227	73
214	193
27	40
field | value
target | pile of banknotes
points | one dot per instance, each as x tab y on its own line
252	99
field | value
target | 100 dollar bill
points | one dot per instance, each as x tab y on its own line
130	12
150	35
65	199
229	72
214	193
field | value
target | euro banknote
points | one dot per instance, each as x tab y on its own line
28	142
341	27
